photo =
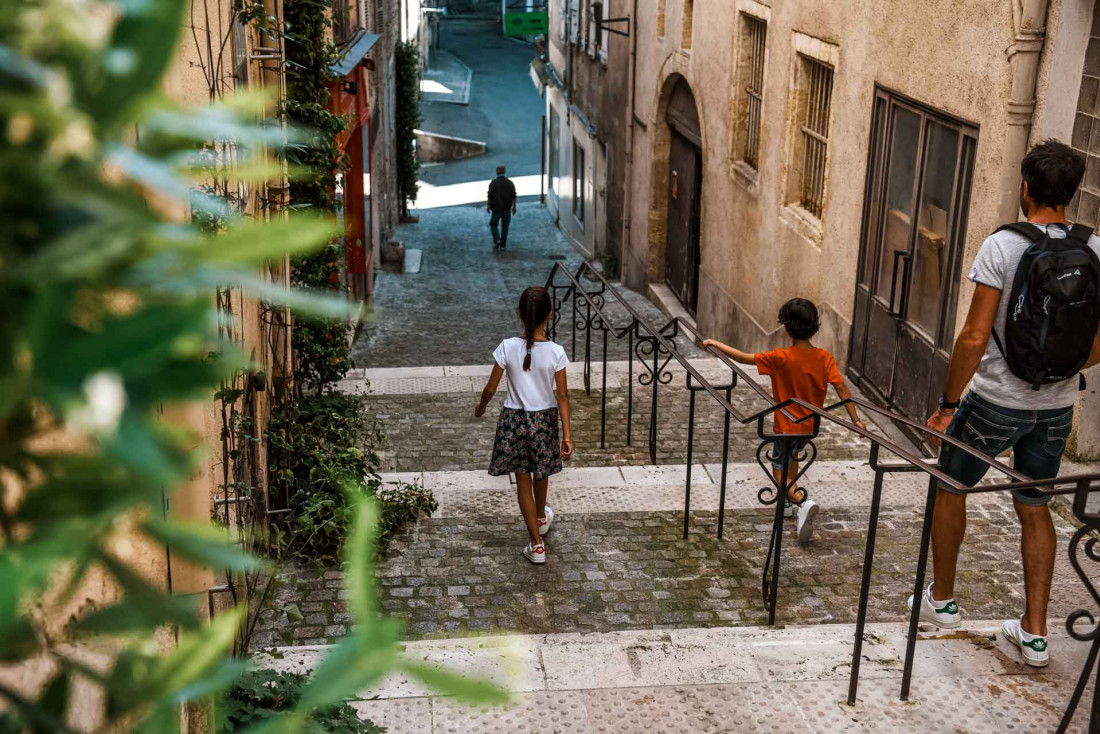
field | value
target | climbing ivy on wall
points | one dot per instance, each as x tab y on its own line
321	348
407	120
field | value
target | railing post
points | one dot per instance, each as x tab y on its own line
691	440
918	588
587	344
865	586
603	391
777	541
725	464
630	381
573	328
653	404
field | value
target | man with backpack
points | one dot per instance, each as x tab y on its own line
1037	294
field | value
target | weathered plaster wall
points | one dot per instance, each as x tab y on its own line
756	253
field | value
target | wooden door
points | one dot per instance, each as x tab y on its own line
682	238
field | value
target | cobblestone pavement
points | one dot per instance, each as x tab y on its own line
455	576
429	432
463	300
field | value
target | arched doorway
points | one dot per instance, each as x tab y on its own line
685	189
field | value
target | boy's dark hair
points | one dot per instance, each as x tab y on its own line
1052	171
799	317
534	306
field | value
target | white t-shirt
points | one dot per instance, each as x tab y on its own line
995	266
532	389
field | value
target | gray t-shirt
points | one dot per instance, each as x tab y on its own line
995	266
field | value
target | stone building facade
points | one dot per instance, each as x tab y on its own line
585	146
856	154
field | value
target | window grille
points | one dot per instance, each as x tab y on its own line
755	36
818	88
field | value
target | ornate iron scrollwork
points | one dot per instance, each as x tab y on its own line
767	452
644	349
1085	543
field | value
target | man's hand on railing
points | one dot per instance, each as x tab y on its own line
939	421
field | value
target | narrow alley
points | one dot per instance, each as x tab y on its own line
626	613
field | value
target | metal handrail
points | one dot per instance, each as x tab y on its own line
661	339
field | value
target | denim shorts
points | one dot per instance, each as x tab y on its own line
787	450
1036	437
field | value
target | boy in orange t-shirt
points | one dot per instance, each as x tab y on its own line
799	371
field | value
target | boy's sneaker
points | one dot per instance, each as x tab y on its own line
1033	647
544	522
535	554
807	511
943	614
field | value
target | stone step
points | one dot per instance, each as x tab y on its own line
742	679
650	488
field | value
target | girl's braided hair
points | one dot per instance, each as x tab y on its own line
534	307
799	317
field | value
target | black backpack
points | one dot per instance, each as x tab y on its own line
1054	308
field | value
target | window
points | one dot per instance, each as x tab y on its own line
555	149
661	17
688	24
598	40
578	181
1085	207
815	92
754	33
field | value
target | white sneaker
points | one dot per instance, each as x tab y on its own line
943	614
1032	647
807	511
535	554
544	524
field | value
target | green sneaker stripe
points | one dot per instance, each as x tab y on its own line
948	608
1039	644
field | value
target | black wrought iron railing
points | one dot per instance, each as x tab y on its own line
655	349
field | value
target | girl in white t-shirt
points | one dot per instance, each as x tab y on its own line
527	441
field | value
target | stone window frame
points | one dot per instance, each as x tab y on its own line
743	170
579	181
806	49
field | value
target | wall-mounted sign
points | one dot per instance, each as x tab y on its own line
530	23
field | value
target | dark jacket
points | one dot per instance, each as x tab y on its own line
502	194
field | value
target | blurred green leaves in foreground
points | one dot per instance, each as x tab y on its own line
107	316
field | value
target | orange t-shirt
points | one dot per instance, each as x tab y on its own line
798	372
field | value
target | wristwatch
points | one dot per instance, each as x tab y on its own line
946	404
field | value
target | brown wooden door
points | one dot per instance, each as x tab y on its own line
914	226
682	244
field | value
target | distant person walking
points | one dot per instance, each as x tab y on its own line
501	205
1022	369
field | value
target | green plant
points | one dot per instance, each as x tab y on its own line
109	316
321	347
321	447
406	120
258	696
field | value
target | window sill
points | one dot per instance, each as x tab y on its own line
747	176
805	224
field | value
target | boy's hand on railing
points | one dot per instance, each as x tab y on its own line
939	421
859	424
707	343
566	449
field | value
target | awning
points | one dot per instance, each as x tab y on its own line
544	75
354	52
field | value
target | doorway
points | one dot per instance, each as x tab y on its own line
685	188
914	226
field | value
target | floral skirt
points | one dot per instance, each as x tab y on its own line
527	443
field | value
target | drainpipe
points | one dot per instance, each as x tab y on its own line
624	246
1029	20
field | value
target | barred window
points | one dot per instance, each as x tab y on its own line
816	89
754	33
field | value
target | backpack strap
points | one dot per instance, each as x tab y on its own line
1080	233
1025	229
